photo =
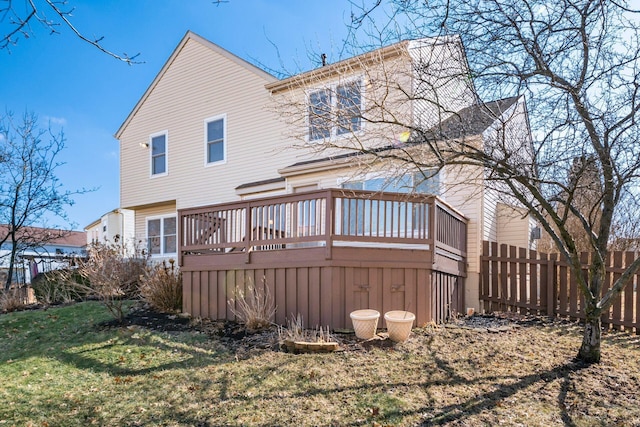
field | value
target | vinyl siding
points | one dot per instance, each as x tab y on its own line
201	83
441	81
505	225
385	83
513	226
462	188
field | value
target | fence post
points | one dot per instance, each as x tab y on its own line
485	278
551	286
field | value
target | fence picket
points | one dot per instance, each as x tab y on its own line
515	279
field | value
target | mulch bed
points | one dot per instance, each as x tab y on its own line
242	341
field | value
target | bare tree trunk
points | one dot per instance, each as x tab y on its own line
590	349
12	258
12	264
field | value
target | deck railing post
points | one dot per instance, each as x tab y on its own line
432	225
330	211
180	237
247	232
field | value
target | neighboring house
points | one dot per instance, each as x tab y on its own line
41	250
212	129
117	226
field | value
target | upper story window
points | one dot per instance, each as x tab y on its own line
215	136
335	111
348	107
162	235
159	154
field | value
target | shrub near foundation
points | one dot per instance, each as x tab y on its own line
161	287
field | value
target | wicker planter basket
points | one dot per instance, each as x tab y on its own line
399	324
365	323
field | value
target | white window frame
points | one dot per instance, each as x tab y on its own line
162	253
166	153
208	120
333	90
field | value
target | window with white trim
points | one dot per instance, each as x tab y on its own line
335	111
162	236
158	154
215	136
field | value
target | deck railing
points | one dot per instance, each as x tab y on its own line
323	218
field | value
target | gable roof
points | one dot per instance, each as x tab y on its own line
204	42
471	121
360	61
468	122
326	71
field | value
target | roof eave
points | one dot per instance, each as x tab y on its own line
189	35
327	71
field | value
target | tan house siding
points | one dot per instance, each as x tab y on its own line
441	80
513	226
201	83
385	83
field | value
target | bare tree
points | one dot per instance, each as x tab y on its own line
577	64
18	21
29	188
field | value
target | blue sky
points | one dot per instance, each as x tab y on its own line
74	87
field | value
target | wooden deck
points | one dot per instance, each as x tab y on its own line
326	253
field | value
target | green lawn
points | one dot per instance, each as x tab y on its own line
57	368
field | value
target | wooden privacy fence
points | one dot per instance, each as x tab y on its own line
529	282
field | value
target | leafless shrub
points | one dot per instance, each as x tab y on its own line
114	274
11	300
59	286
256	308
161	287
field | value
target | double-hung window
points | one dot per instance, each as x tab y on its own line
159	154
335	111
319	114
348	107
215	137
162	235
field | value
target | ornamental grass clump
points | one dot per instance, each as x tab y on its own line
255	307
295	331
161	287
